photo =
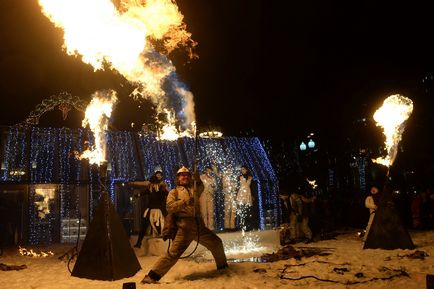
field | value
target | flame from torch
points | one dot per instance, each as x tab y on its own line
97	116
391	116
122	37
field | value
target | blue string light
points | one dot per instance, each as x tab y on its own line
362	164
50	161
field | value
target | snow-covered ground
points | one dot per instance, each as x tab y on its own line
347	258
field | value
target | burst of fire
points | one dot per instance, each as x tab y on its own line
123	37
97	116
31	253
391	116
168	130
312	183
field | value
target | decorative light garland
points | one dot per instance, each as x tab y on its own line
362	163
50	161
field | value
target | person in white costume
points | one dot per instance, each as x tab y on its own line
229	184
206	199
244	198
371	203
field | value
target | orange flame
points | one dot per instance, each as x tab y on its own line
121	37
391	116
31	253
97	116
168	130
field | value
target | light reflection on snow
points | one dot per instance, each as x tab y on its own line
244	244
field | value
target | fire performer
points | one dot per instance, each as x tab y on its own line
180	202
387	231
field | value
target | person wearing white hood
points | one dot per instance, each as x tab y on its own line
371	202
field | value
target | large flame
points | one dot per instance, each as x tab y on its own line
97	116
391	116
121	38
168	130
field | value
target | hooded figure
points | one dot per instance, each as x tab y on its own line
371	202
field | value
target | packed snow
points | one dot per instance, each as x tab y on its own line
346	266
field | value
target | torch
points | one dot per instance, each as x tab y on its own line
387	230
102	256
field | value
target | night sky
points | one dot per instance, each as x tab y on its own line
280	68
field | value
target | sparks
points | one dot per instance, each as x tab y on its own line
247	243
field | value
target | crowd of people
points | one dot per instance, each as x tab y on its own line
191	209
235	190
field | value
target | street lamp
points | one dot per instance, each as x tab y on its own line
303	146
311	144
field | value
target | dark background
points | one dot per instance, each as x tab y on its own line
275	69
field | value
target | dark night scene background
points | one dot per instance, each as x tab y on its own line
292	86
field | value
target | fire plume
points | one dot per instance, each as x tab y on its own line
168	130
97	116
391	116
124	37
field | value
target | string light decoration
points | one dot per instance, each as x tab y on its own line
123	156
362	163
63	101
14	165
46	155
69	197
42	157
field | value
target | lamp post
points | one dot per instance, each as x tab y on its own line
311	144
307	148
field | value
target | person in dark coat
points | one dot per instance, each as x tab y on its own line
155	210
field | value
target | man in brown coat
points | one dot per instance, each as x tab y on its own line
181	203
